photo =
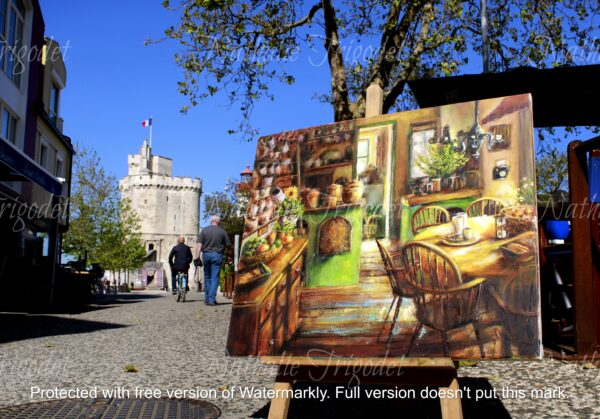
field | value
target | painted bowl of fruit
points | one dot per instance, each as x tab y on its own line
519	219
258	249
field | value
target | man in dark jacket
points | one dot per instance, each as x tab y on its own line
179	261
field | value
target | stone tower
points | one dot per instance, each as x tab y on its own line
168	207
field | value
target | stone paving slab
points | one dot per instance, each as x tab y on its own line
175	346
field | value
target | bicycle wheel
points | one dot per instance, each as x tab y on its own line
178	287
183	287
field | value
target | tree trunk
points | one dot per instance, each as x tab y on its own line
339	85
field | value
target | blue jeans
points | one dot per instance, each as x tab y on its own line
212	267
174	285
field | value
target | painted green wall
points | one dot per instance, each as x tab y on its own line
344	269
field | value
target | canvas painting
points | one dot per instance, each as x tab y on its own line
409	234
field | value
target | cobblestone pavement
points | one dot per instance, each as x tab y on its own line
182	346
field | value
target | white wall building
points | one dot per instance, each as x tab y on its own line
168	207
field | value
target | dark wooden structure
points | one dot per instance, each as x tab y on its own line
586	249
562	96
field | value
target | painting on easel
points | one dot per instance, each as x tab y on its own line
409	234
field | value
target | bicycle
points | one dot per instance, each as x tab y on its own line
181	279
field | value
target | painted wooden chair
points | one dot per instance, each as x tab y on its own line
518	301
443	302
400	288
484	206
427	217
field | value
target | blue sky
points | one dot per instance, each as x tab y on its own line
114	82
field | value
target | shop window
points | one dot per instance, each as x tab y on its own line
59	166
43	241
3	4
43	154
9	126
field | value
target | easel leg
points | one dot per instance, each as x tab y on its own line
451	408
280	404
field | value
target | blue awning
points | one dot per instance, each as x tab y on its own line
16	166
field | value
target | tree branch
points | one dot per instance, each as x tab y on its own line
412	62
306	19
392	40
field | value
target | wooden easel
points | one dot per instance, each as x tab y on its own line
432	372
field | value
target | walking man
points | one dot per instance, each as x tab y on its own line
212	242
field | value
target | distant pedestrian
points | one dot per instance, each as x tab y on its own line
212	242
106	286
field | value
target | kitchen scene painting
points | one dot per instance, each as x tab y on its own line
409	234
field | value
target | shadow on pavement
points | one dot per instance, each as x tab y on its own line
98	302
489	408
125	298
19	326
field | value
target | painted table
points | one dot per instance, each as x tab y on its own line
411	203
484	258
510	292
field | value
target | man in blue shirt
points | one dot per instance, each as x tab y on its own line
212	242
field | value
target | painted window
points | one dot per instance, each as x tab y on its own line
418	143
362	155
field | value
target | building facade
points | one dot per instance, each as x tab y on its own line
168	207
35	155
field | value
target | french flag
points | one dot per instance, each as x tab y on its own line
147	123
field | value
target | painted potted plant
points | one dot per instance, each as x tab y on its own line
291	209
441	162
